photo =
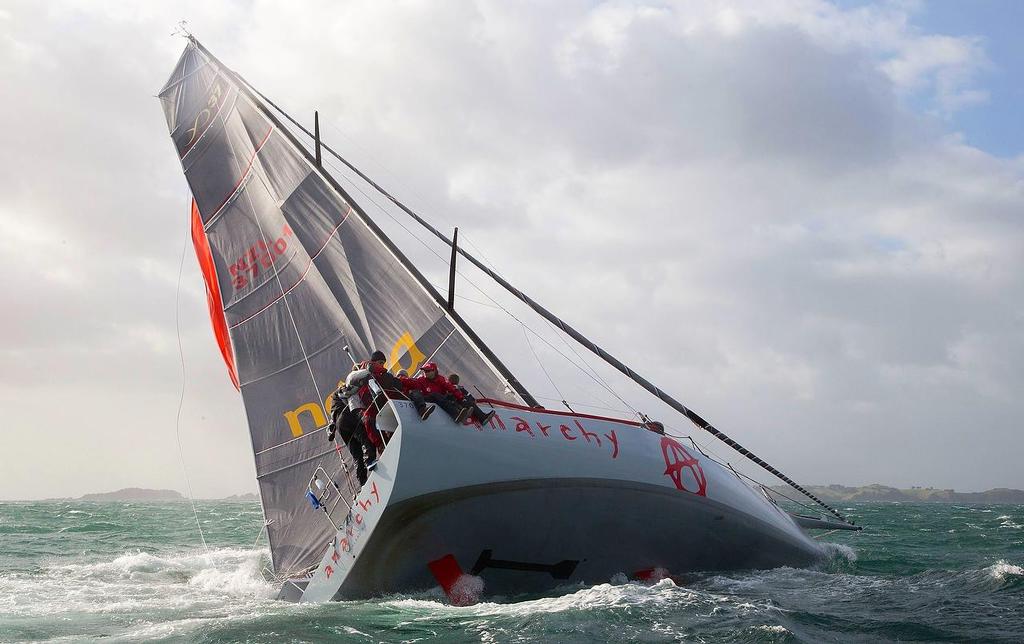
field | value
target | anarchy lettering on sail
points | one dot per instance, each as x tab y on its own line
301	273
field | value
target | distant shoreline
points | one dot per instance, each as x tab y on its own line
827	493
150	496
884	493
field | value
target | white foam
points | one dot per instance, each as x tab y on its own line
467	590
1001	570
139	582
593	598
243	579
772	628
840	551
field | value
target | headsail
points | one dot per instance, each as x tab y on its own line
301	273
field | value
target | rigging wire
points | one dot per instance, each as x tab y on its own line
587	371
343	172
351	182
494	303
576	335
717	458
411	189
588	365
181	396
544	369
266	524
479	251
589	406
340	172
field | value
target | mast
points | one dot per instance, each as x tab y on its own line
255	96
593	347
262	102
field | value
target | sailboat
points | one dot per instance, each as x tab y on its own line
301	282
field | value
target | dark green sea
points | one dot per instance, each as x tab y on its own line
72	571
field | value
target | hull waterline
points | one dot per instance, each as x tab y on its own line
538	499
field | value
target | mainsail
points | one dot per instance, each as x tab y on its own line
299	272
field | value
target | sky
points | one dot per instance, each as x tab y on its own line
805	220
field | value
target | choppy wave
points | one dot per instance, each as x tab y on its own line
139	575
136	581
1003	571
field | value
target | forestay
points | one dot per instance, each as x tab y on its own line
294	273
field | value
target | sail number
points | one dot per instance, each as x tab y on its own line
259	254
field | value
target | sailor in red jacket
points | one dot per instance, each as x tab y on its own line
432	387
477	414
372	401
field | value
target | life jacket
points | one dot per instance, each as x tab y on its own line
356	385
438	385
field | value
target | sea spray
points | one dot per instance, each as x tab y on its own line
138	573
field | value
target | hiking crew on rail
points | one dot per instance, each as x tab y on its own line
354	406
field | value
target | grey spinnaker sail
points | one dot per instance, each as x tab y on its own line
298	275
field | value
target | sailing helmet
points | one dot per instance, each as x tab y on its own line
377	356
429	366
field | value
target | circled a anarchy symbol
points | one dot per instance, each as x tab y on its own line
683	468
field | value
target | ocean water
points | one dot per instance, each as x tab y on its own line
128	572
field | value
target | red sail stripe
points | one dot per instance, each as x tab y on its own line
286	291
213	299
241	179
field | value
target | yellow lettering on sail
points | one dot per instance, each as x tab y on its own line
318	414
313	409
406	344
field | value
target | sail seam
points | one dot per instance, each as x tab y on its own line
489	357
184	78
240	185
301	277
287	304
295	464
199	138
444	311
292	440
295	329
286	368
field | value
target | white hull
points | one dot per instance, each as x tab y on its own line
541	498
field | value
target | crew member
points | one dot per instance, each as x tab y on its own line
655	426
347	407
435	388
373	400
468	400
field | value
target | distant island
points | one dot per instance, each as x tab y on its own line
153	496
248	497
876	492
134	494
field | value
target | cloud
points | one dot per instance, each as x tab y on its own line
750	203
